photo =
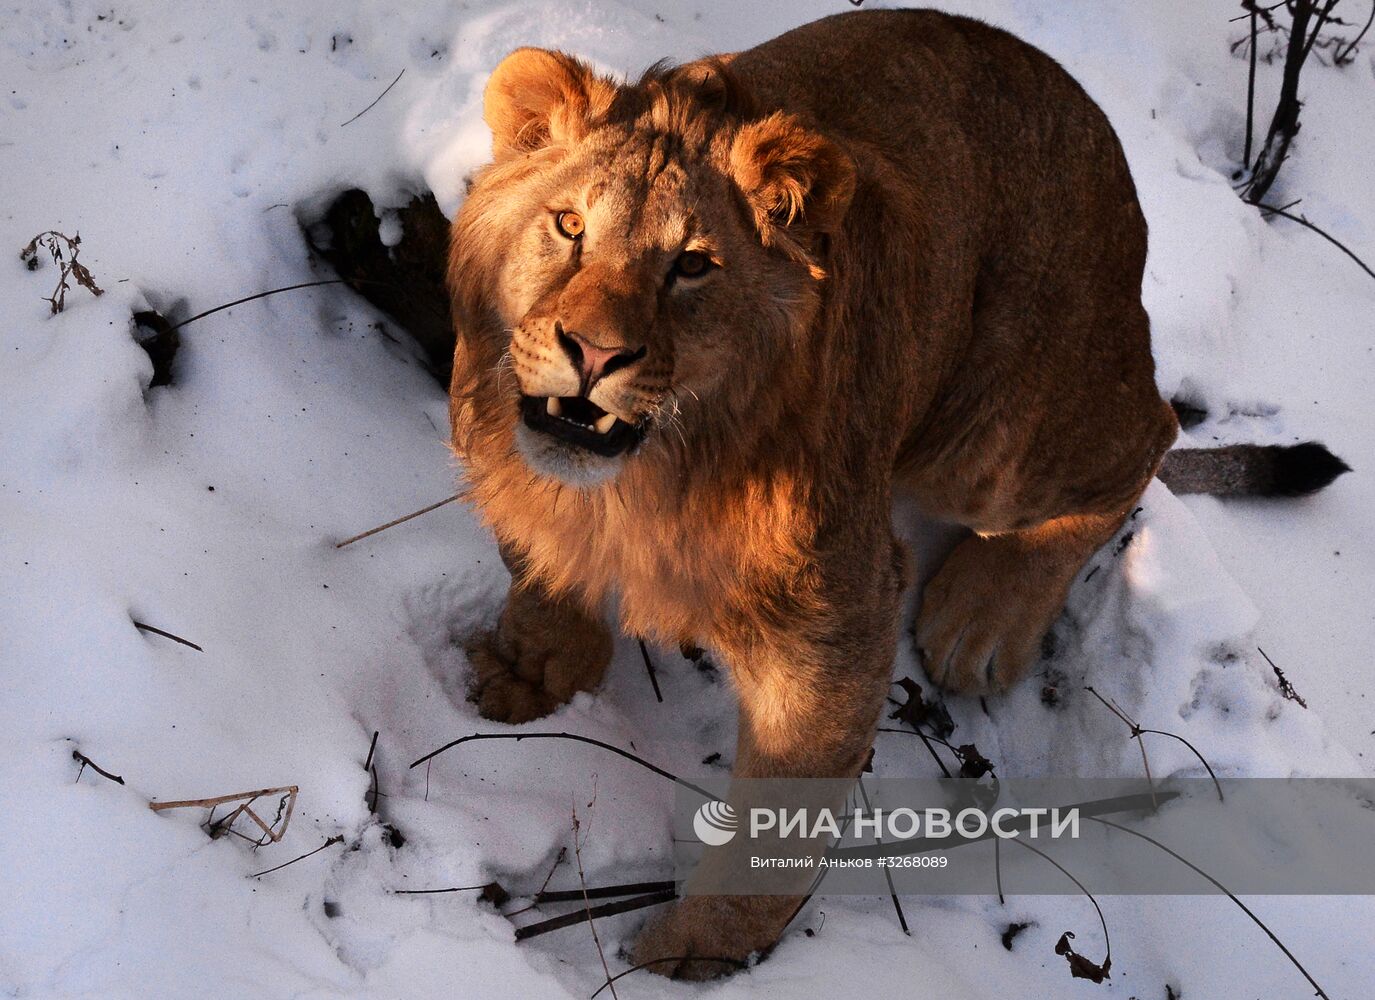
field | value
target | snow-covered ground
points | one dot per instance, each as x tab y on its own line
187	142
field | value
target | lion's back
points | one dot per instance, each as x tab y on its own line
953	105
997	214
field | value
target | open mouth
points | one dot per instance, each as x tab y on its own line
581	422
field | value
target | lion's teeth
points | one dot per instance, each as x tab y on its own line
552	406
605	422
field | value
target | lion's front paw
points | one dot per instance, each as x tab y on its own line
538	657
700	937
984	613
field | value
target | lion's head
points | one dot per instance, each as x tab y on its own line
637	263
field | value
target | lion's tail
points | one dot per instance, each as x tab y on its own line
1252	470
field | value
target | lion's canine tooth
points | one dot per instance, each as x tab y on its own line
605	422
553	407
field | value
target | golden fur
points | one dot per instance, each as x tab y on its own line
927	257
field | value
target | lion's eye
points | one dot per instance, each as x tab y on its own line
692	264
570	224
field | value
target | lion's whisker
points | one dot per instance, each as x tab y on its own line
504	364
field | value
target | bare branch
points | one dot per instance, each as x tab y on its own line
86	762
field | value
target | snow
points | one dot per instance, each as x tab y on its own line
188	143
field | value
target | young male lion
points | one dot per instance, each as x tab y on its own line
709	324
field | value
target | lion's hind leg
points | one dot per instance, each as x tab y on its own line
984	614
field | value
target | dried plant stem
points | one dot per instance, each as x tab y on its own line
558	860
593	913
887	873
1251	92
926	740
375	789
586	900
258	295
167	635
431	892
1137	731
1201	759
245	800
67	265
602	891
220	800
86	762
1303	221
998	868
1230	895
269	871
372	748
1107	942
400	520
376	102
653	676
1344	55
575	738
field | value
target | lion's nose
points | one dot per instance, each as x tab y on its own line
592	361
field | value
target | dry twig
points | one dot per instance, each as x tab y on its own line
86	762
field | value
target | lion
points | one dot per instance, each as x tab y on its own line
711	323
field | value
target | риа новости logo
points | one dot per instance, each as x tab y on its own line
715	824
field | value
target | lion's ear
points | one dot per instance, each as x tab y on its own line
792	174
538	97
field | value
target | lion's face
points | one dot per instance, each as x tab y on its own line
655	257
